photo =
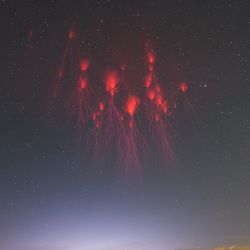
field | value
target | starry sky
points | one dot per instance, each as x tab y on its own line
51	197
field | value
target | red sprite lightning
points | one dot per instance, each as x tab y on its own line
112	82
118	123
132	103
183	87
133	141
84	65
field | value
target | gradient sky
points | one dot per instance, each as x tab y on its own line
50	196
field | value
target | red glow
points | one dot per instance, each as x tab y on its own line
150	67
101	106
106	115
83	82
132	104
112	79
131	123
158	88
71	34
183	87
150	56
148	80
84	65
159	100
151	94
164	107
94	116
97	124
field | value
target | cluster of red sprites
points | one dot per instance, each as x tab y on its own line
134	130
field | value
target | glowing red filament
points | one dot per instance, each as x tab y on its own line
150	67
148	80
132	104
97	124
150	56
159	100
112	82
183	87
151	94
158	88
84	65
101	106
83	82
94	115
164	107
131	123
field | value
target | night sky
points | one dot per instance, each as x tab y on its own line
52	197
